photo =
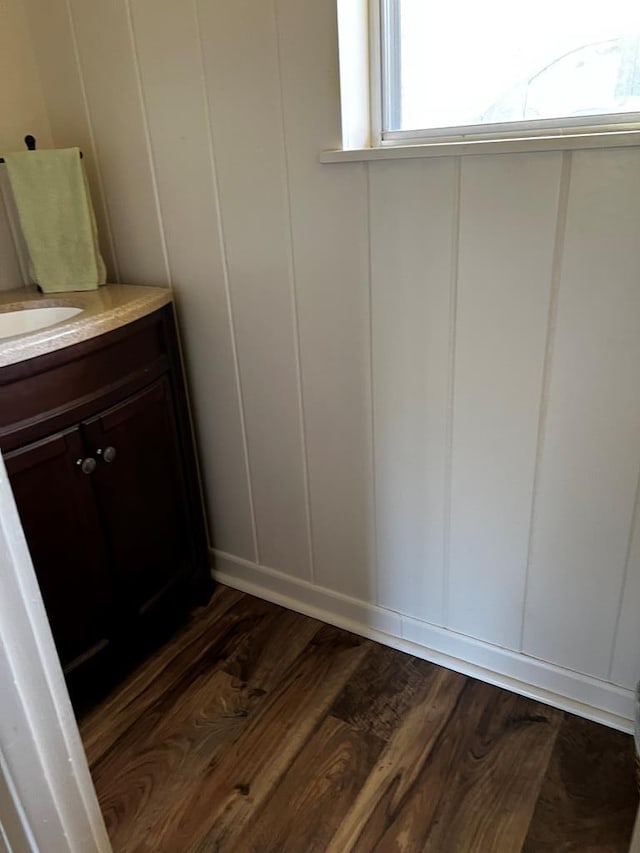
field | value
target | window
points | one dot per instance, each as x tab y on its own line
466	70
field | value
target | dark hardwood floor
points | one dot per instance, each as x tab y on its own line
258	729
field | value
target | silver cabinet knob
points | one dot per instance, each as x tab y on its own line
108	454
88	465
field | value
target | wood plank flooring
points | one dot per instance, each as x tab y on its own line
258	729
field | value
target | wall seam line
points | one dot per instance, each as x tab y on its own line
148	142
293	279
227	283
625	576
451	379
543	409
92	138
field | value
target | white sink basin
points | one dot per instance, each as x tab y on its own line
31	319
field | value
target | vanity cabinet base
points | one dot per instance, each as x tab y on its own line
98	447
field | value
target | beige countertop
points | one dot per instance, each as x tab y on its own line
109	307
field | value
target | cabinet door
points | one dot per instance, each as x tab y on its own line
62	527
140	494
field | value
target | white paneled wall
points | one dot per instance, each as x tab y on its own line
22	111
413	264
241	56
22	105
624	665
111	83
169	60
589	464
65	95
329	227
13	260
508	216
415	383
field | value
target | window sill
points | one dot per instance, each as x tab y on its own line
568	142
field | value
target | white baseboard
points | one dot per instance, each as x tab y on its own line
571	691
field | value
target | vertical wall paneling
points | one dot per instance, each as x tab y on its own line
625	663
451	369
508	213
592	444
412	207
109	73
415	383
330	236
22	105
167	45
241	62
12	273
65	97
22	109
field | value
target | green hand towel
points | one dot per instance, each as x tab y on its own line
57	219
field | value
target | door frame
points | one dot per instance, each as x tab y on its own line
48	803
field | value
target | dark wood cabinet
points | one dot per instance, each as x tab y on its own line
61	523
99	452
141	494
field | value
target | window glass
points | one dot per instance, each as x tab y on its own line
471	63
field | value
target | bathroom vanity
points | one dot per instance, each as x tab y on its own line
96	438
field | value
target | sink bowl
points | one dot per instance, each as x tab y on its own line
26	320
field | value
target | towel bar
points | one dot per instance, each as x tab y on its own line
30	142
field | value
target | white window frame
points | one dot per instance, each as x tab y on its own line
362	97
385	43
